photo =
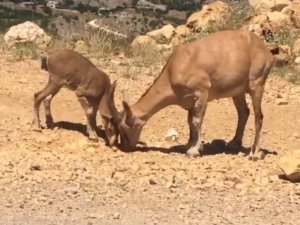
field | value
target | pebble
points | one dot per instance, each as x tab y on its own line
282	101
116	216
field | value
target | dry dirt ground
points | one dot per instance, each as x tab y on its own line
57	177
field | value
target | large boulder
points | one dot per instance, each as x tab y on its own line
26	32
142	40
269	4
162	35
213	12
278	19
266	24
290	166
182	31
296	13
296	48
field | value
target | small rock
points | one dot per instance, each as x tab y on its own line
297	190
35	166
290	166
172	135
169	184
297	60
281	101
116	216
152	181
96	216
115	62
23	80
91	150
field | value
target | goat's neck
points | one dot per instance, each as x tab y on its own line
158	96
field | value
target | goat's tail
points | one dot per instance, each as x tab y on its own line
44	65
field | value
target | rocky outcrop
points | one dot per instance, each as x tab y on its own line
27	32
170	36
142	40
296	13
162	35
296	48
213	12
269	4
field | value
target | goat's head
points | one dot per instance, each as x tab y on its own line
129	126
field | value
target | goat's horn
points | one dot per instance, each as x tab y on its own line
111	101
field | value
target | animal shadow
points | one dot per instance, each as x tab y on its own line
215	147
81	128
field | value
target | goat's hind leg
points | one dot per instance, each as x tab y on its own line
256	96
256	90
40	96
47	106
195	118
243	114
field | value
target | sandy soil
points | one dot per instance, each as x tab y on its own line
58	177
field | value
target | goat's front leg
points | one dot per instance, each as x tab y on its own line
196	116
256	96
90	116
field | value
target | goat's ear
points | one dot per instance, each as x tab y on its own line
128	117
127	110
112	89
125	96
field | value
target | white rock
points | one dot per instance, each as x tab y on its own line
282	101
172	135
297	60
27	32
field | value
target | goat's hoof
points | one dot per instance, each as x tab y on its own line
50	126
36	128
259	155
93	139
193	152
253	158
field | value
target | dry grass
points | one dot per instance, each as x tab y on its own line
289	73
99	44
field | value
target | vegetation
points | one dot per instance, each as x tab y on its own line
99	45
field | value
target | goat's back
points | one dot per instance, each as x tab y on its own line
221	62
76	71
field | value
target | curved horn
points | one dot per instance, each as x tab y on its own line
111	101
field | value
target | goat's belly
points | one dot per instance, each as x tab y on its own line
227	93
71	85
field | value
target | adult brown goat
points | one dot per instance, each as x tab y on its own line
223	64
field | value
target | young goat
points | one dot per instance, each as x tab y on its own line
91	86
222	64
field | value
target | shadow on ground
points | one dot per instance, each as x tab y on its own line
81	128
215	147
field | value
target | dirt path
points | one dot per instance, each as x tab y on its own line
57	177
